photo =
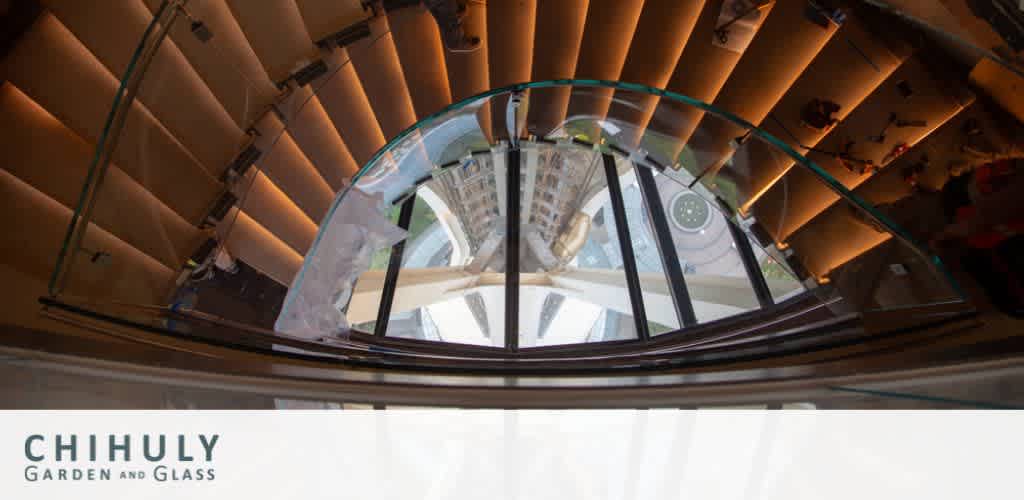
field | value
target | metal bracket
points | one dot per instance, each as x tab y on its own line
305	75
244	160
198	28
221	207
345	37
512	125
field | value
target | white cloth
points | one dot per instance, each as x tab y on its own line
356	230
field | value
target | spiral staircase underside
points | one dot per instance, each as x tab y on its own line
190	122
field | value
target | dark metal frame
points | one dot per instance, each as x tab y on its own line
656	211
666	247
512	217
387	294
626	247
229	334
791	311
764	294
752	347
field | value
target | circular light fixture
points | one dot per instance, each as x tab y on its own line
690	212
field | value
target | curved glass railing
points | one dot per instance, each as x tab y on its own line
629	226
106	145
166	192
529	218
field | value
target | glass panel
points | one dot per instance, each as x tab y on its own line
570	253
696	146
843	217
710	167
573	282
437	236
117	208
715	276
657	291
378	268
553	191
436	141
450	284
779	277
380	258
201	204
803	209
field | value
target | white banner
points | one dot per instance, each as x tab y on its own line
529	455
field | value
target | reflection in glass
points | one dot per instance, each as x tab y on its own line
573	285
716	279
781	281
448	286
578	289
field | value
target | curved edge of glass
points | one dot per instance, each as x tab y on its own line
958	40
823	176
123	97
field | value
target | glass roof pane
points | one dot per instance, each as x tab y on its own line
779	277
450	283
715	277
378	267
658	301
573	286
454	228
